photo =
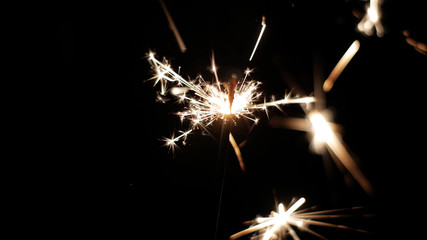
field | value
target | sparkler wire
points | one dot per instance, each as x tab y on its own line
223	153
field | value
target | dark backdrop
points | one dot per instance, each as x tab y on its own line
130	185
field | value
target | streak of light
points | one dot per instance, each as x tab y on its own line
214	70
345	59
237	151
324	135
171	142
259	37
419	46
173	27
285	100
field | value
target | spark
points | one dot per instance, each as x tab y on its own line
171	142
371	20
342	63
205	103
278	224
259	37
285	100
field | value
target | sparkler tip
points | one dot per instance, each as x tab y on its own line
327	85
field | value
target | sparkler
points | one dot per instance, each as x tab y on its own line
282	222
207	102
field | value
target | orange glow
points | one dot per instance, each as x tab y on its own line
336	72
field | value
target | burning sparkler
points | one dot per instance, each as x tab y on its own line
281	223
207	102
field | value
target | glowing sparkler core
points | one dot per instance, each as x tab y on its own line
208	102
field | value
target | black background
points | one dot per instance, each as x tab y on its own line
124	183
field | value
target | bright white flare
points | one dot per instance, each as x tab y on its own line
322	132
372	20
325	137
281	223
205	102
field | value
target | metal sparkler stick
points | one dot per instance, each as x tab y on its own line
222	161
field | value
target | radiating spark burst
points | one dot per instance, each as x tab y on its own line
281	223
206	102
372	19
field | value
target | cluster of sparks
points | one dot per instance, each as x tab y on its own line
281	223
207	102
